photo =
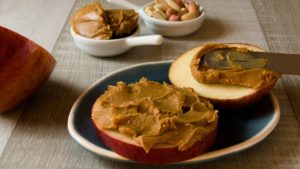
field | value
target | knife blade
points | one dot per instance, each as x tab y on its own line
226	59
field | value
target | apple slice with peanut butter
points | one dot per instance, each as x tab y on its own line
236	81
154	123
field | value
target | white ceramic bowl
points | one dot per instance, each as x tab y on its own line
165	28
112	47
172	28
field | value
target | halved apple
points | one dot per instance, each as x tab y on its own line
229	97
128	148
24	67
154	123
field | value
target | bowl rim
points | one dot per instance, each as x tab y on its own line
171	23
76	36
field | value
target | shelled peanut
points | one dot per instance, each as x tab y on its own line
173	10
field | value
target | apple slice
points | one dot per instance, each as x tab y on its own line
154	123
24	67
128	148
229	97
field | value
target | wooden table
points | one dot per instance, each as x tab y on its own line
35	134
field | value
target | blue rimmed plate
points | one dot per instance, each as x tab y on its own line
236	131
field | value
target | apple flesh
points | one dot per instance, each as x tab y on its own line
228	97
24	67
128	148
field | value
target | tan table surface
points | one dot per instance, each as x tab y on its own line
35	135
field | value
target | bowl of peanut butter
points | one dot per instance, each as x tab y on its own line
108	32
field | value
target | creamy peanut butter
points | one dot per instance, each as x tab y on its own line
155	114
232	70
92	21
122	22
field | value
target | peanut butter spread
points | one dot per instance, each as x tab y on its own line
235	66
92	21
155	114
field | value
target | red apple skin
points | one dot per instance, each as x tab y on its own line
155	155
24	67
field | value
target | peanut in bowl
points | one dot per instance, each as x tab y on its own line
172	28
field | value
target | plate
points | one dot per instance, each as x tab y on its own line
236	131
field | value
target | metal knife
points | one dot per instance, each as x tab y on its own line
226	59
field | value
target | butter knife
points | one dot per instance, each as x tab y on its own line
228	59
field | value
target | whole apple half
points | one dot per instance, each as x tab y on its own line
128	148
227	97
24	67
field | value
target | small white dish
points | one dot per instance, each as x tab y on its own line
165	28
113	47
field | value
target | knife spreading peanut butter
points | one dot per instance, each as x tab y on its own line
92	21
234	66
155	114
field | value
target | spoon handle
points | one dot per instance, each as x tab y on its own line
145	40
126	4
